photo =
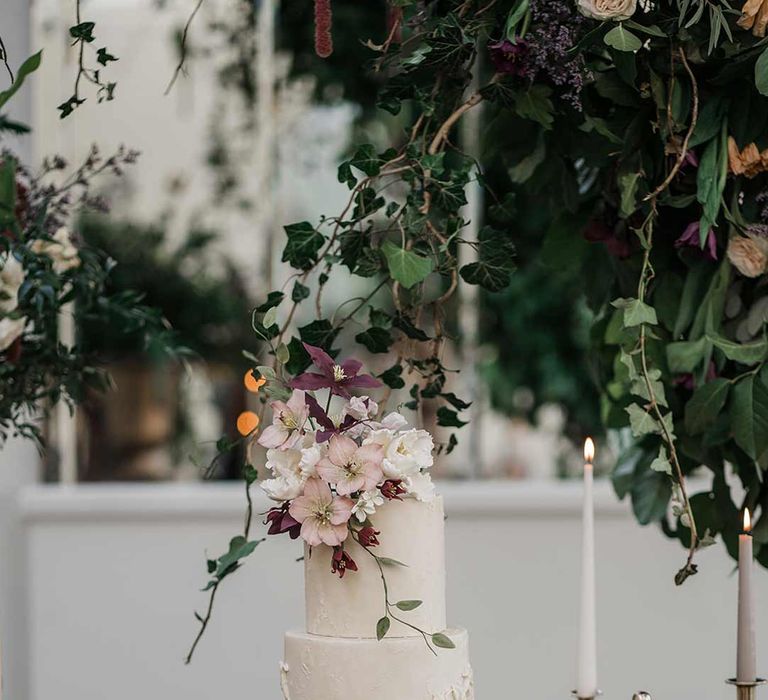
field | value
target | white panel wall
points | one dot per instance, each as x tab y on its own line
113	573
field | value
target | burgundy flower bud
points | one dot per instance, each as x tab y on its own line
393	489
280	521
341	562
368	537
323	22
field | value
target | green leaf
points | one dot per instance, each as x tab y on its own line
29	66
239	548
270	318
299	292
83	31
282	353
441	640
103	56
250	474
628	183
273	299
376	340
304	243
749	417
622	39
534	104
685	356
761	73
651	29
636	312
705	405
388	561
408	605
392	377
449	418
367	160
382	627
404	324
661	463
495	261
745	353
651	492
641	421
405	266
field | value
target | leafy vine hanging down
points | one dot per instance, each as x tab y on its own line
635	132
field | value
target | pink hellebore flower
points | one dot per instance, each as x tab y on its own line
351	468
322	515
287	421
690	238
338	377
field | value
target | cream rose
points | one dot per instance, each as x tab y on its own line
11	278
60	250
749	255
616	10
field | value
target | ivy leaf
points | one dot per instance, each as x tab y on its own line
299	292
103	56
367	160
408	605
319	333
534	104
29	66
392	377
273	299
749	417
282	353
636	312
745	353
376	340
405	266
622	39
661	463
761	73
641	421
304	243
388	561
495	261
449	418
83	31
404	324
382	627
250	474
441	640
705	405
651	492
239	548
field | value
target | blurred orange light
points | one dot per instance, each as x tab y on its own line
253	384
247	422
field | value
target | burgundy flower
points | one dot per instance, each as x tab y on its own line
688	381
338	377
323	23
598	231
690	239
341	562
690	159
368	537
508	57
393	489
280	521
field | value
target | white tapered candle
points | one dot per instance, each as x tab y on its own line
586	686
746	665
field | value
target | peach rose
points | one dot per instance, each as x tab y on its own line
749	255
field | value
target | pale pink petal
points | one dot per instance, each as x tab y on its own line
332	535
318	491
371	453
296	403
310	532
341	449
341	510
278	407
301	508
372	475
328	471
342	531
349	483
273	436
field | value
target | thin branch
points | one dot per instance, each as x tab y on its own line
204	623
183	57
4	59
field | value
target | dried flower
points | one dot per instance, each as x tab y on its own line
509	58
748	162
691	238
616	10
749	254
754	16
323	22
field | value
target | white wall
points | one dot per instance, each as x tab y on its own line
114	572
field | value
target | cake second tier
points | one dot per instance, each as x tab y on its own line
412	533
327	668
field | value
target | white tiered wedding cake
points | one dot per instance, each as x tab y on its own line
339	656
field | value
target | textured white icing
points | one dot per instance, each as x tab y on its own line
402	668
411	532
284	668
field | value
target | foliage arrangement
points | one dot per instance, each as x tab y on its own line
45	272
633	132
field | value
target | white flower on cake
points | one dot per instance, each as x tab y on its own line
366	504
408	453
310	456
421	487
350	467
59	249
288	421
283	488
11	279
361	408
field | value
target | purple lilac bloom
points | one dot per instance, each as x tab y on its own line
690	239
